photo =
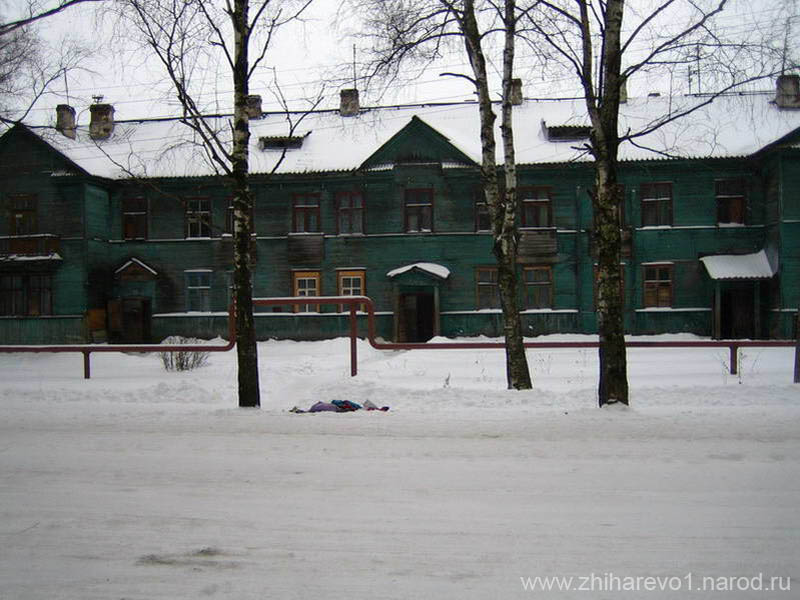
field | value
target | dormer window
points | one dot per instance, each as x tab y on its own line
281	142
566	133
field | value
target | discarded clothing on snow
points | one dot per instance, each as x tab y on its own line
339	406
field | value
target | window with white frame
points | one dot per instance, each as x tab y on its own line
306	283
198	218
352	283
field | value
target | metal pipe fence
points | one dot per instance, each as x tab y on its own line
353	303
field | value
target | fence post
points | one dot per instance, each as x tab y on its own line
797	349
734	359
353	339
87	372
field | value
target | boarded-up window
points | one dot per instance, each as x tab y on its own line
731	203
134	218
538	287
350	212
198	218
26	295
306	283
657	286
656	204
537	206
487	292
305	213
24	219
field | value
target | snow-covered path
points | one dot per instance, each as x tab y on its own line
145	485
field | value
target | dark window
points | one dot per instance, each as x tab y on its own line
538	287
23	215
731	203
419	210
198	218
537	206
26	295
350	209
657	286
134	218
483	222
656	204
198	291
305	213
488	292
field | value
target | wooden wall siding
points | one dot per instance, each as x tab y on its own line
790	168
96	208
536	246
53	330
306	249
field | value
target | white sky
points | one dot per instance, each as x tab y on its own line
306	54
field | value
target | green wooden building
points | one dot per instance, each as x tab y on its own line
121	230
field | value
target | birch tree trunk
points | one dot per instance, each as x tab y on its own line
606	200
246	348
501	210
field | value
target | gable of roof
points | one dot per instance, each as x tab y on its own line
20	137
417	142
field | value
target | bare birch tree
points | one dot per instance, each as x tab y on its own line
28	64
607	43
184	35
419	32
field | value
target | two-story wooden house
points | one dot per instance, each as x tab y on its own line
121	229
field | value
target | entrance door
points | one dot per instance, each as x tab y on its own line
737	315
129	320
416	317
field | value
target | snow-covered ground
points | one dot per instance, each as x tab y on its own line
146	485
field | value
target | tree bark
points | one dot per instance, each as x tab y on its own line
502	211
606	200
505	249
246	348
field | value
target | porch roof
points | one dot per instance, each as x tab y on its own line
433	269
738	266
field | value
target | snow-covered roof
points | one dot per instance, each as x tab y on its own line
729	126
430	268
738	266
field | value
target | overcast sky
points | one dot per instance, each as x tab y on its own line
305	55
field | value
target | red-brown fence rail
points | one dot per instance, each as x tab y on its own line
353	303
88	349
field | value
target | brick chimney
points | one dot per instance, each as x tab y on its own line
65	120
253	109
349	106
516	92
102	121
787	91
